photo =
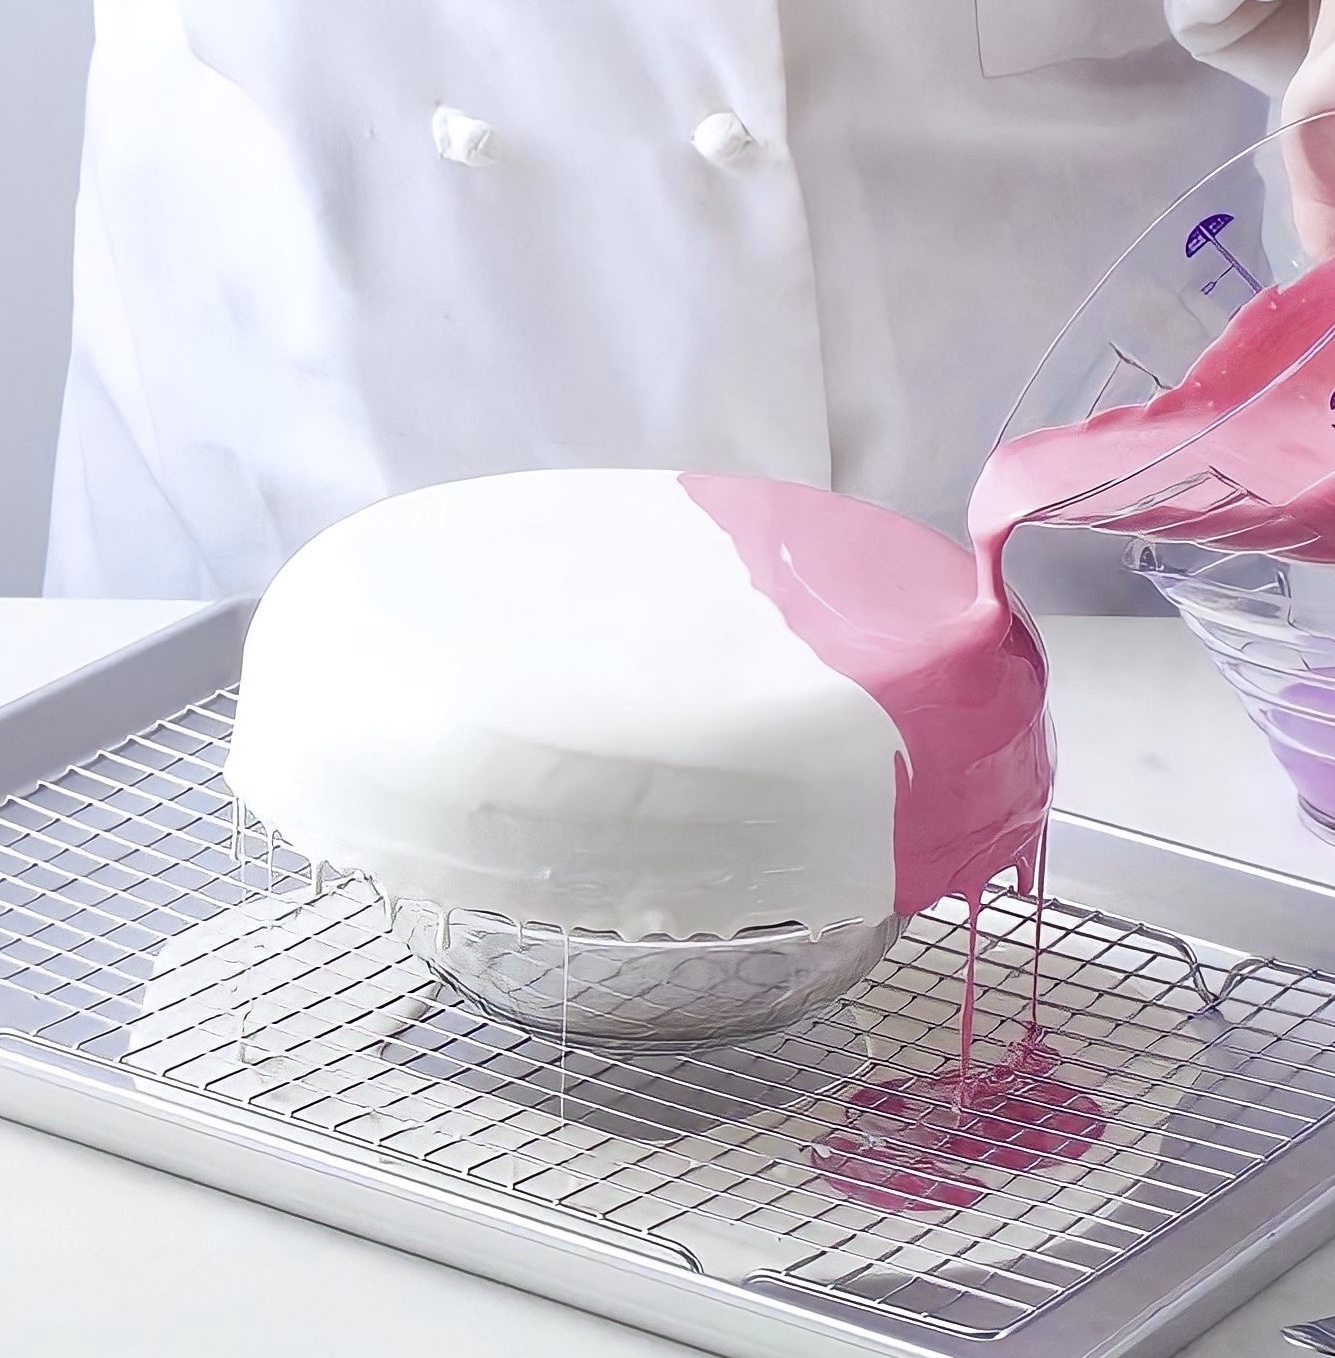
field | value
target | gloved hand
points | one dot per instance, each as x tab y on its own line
1309	151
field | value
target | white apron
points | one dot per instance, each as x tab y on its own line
329	250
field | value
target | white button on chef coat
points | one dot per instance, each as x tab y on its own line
722	138
460	138
328	250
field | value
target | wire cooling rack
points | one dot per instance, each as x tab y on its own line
131	936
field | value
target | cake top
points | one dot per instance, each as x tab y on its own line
642	702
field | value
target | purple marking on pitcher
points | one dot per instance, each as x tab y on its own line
1207	232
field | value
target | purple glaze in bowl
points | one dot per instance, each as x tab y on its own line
1242	609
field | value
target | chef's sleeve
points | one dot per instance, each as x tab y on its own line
1260	41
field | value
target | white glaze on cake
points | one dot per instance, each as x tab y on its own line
558	696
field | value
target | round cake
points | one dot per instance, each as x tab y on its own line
643	703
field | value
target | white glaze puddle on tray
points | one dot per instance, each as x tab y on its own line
278	986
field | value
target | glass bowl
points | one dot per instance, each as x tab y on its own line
1274	650
595	991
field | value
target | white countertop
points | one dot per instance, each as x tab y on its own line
1149	737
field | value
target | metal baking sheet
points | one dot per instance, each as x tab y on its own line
675	1194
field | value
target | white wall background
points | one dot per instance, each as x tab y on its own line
44	49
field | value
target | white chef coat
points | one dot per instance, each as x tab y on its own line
329	250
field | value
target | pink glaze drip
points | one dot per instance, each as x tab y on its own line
1040	893
970	996
1240	455
887	602
924	1144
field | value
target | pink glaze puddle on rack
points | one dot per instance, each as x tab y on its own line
924	1143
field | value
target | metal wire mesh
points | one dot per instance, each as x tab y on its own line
129	934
